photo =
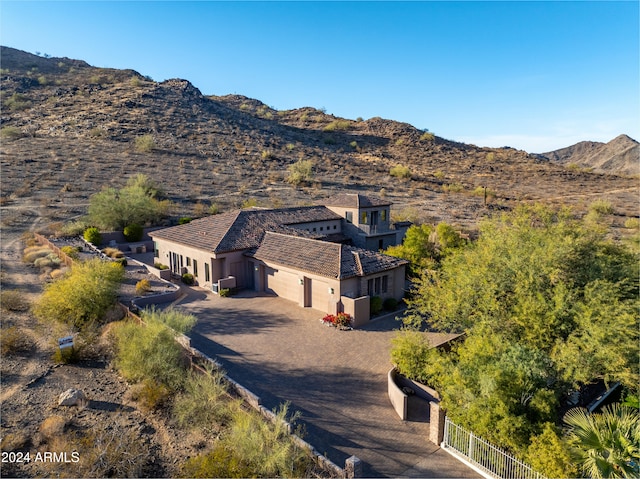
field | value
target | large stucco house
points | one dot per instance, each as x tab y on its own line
322	257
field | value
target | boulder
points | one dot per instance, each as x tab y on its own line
72	397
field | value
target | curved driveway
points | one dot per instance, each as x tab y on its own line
336	379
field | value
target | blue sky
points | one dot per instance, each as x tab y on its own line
532	75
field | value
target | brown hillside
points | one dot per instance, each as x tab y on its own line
68	129
620	156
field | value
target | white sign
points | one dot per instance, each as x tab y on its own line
66	342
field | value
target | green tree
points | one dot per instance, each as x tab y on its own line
82	297
550	455
137	202
606	444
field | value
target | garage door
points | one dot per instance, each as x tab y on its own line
319	295
283	283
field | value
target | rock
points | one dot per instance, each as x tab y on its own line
72	397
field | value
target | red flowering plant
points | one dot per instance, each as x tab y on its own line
340	320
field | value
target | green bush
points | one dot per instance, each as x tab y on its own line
224	292
150	394
11	133
160	266
427	136
376	304
83	296
338	125
176	320
150	351
390	304
602	207
300	172
400	171
143	286
70	251
93	236
133	232
184	220
188	279
204	403
13	341
145	144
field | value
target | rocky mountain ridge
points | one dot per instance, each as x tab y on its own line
620	156
68	129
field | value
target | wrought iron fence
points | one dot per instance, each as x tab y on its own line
485	455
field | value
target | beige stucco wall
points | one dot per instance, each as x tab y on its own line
165	248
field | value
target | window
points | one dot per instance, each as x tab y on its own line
156	253
335	227
377	286
370	287
349	216
322	228
314	229
363	218
181	261
207	275
385	283
383	215
195	268
188	261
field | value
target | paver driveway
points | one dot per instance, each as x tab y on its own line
337	379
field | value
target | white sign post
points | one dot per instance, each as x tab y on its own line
66	342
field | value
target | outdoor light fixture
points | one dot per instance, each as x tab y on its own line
300	282
330	290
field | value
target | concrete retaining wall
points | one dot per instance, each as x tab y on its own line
399	400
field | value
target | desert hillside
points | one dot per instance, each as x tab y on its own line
619	156
69	128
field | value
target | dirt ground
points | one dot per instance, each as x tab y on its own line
112	435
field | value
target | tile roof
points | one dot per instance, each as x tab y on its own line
355	200
242	229
332	260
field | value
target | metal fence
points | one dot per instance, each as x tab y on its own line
484	455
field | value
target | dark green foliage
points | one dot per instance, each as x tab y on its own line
93	236
548	304
184	220
133	232
390	304
375	304
187	278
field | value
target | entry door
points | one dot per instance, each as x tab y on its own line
308	293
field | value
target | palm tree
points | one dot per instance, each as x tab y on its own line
606	445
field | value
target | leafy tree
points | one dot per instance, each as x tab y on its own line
93	236
550	455
606	444
137	202
83	296
133	232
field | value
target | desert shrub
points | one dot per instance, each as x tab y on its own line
204	402
13	300
49	261
390	304
58	273
300	172
17	102
133	232
93	236
176	320
252	447
149	351
224	292
52	426
632	223
438	174
32	253
601	207
13	341
266	155
160	266
214	209
337	125
400	171
249	203
375	304
121	261
491	156
11	133
114	253
184	220
427	136
150	394
187	279
83	296
143	286
145	144
66	356
480	191
453	188
73	228
70	251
